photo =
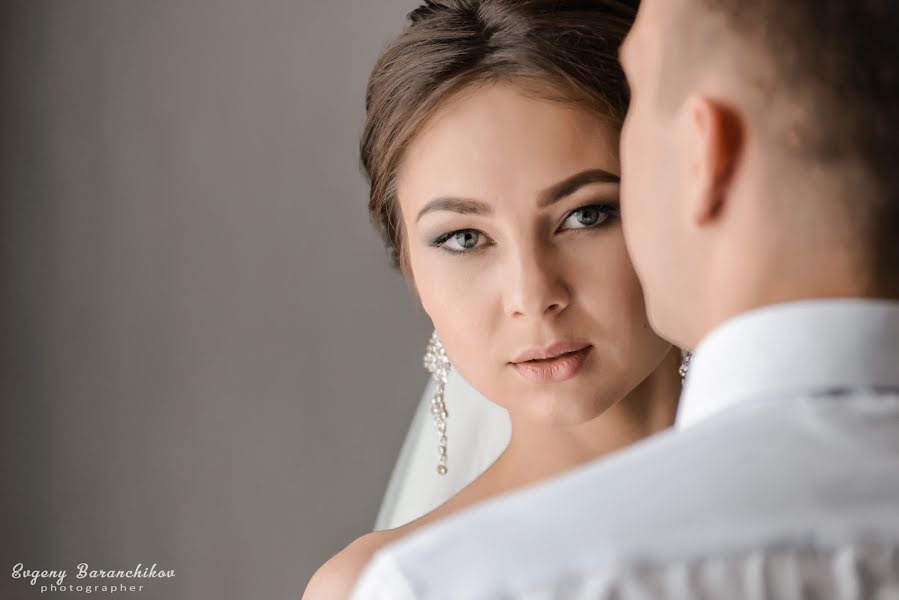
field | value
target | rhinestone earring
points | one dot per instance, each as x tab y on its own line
685	364
437	363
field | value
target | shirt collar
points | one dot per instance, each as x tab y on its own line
793	347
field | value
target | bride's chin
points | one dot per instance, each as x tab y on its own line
562	409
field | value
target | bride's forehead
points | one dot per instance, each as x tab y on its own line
518	154
505	116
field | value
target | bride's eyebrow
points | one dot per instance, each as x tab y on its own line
568	186
464	206
550	195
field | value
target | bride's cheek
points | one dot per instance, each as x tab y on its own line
461	301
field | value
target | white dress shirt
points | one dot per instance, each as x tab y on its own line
779	480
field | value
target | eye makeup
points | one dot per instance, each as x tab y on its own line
585	218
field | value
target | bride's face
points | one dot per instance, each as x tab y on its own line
510	210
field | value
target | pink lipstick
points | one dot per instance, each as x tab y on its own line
552	364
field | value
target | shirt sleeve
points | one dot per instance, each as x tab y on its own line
382	579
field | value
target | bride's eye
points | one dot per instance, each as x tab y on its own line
461	241
589	217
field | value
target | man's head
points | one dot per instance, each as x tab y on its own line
759	155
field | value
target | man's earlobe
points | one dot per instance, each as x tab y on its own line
719	134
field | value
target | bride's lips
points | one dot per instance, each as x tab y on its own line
552	364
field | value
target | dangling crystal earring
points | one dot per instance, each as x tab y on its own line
437	363
686	357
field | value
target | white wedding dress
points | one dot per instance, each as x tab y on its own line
477	432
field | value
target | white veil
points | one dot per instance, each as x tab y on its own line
477	432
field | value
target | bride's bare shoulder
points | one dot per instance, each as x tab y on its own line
335	579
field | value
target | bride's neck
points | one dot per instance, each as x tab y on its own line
536	451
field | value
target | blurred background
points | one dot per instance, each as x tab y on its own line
207	363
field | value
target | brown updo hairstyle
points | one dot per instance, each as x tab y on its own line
562	50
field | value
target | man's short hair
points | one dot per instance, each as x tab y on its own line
837	63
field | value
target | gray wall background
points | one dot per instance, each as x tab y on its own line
206	363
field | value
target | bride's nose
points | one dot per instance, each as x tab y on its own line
534	286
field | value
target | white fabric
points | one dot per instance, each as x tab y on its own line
477	432
800	346
781	480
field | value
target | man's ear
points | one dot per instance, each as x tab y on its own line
718	136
